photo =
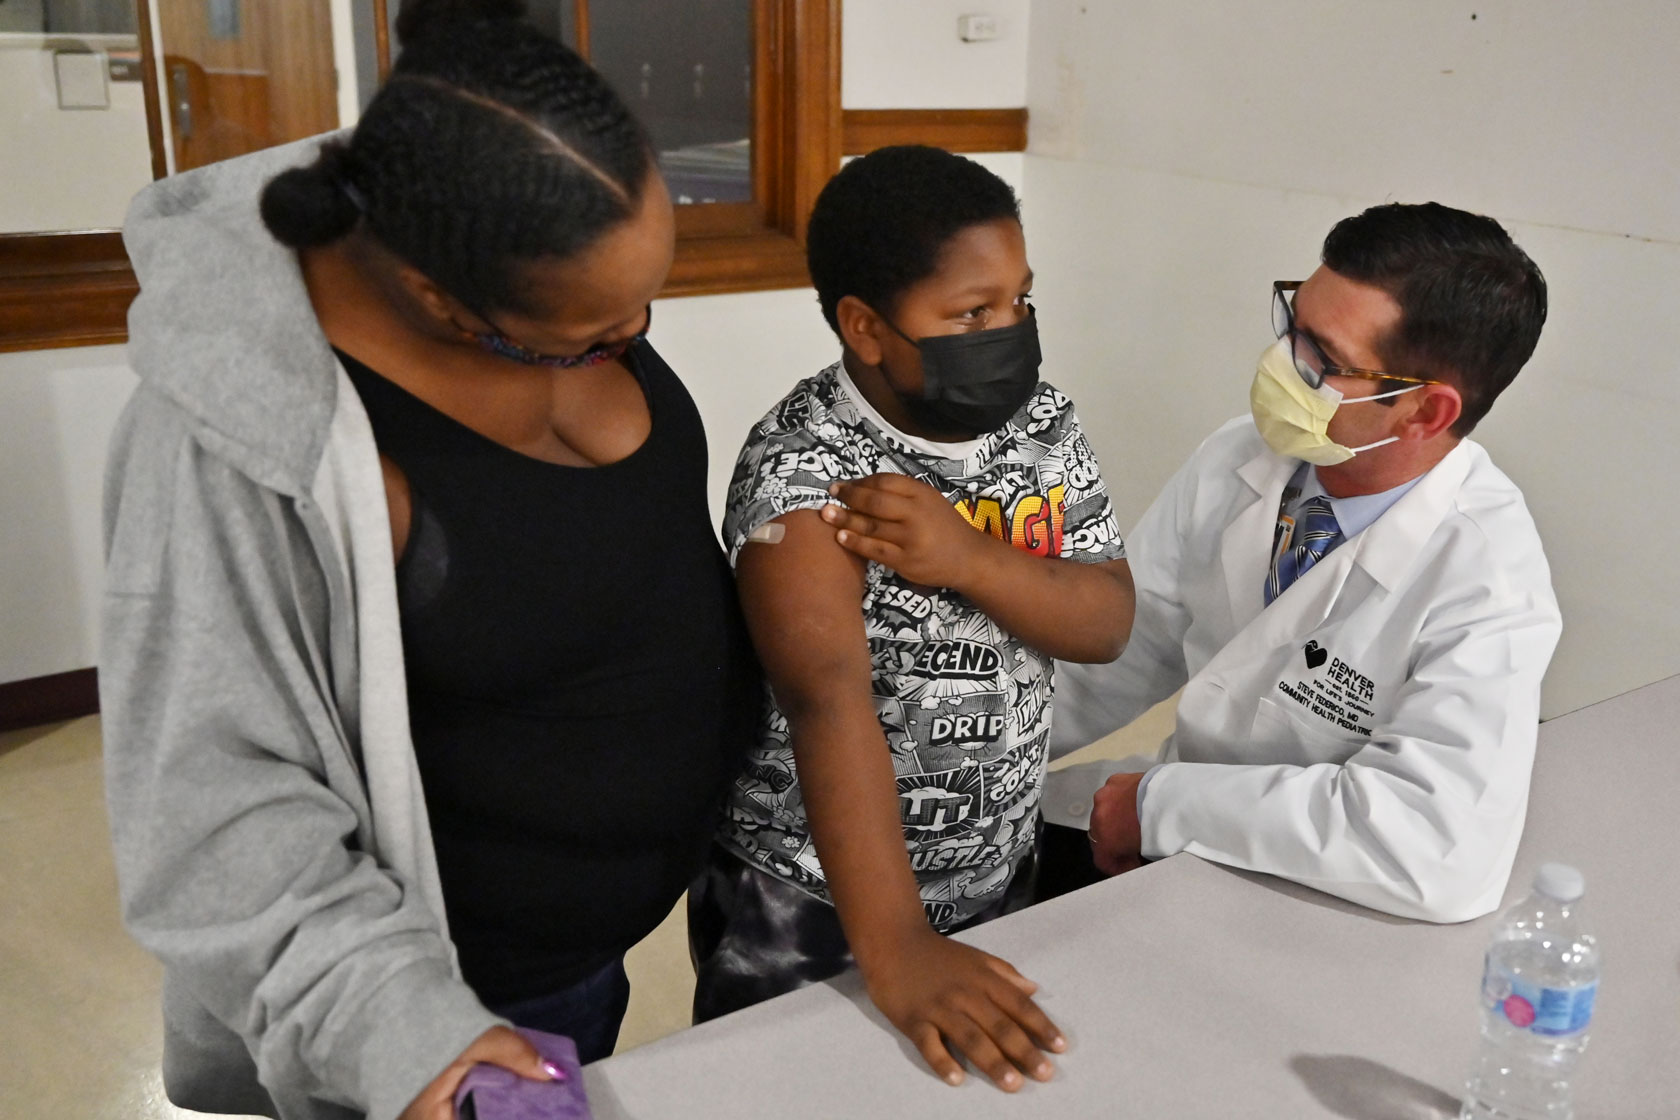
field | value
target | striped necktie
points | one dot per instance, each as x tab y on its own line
1316	533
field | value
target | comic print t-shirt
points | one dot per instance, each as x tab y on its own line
963	703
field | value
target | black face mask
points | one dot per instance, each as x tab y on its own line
975	382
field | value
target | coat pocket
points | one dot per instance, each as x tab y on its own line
1285	731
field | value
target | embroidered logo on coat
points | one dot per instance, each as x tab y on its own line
1341	695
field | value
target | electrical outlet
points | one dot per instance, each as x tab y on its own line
979	28
123	66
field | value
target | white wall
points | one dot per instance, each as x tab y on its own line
57	408
905	54
737	353
1185	153
104	152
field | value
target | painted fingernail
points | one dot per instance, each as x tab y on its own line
554	1072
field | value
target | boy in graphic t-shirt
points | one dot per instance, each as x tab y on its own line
918	532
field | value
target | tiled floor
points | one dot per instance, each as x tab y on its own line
79	1028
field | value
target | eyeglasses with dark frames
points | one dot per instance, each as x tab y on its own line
1310	360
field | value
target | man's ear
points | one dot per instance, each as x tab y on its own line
860	329
1438	408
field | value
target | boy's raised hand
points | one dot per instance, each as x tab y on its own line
1070	610
944	996
904	524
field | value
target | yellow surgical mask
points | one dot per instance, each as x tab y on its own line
1293	417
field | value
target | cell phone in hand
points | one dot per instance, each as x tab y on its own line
492	1093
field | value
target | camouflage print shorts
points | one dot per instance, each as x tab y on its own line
753	936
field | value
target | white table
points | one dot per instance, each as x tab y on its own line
1189	990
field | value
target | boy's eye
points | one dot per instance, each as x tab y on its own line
977	312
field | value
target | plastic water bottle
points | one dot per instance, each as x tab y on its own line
1538	987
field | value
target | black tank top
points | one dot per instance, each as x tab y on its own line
581	687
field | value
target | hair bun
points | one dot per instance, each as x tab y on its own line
308	206
417	19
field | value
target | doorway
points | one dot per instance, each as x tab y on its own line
242	75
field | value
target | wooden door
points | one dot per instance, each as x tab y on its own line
241	75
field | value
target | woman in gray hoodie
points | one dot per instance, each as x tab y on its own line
401	745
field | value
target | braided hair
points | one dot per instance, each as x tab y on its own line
491	144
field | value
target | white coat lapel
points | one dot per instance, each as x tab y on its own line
1294	615
1384	553
1245	547
1389	548
1305	604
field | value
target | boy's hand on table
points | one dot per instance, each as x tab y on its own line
904	524
945	995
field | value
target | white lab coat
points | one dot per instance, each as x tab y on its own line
1371	733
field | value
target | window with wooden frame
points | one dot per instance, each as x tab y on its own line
778	83
742	100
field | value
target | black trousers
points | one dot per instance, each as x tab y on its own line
589	1012
1064	862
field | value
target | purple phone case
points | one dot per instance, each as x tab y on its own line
499	1094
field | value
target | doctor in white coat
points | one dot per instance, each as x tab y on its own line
1352	597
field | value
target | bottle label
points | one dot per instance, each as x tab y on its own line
1544	1011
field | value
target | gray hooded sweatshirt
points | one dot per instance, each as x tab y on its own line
271	838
